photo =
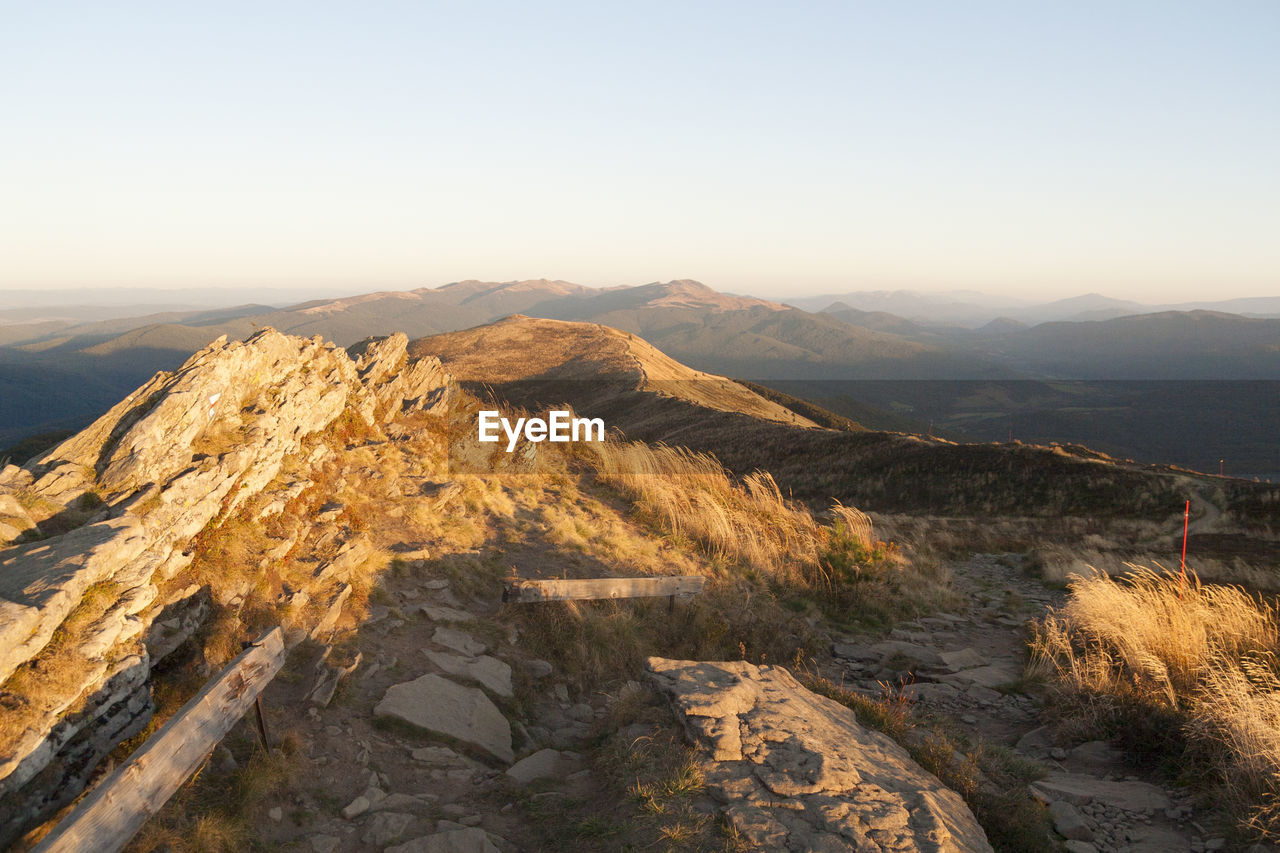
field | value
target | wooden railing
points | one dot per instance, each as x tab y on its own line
115	810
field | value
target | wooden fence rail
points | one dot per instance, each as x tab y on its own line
560	589
116	809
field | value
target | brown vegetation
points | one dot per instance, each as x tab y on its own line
1185	671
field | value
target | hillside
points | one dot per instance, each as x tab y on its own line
594	366
284	481
1064	486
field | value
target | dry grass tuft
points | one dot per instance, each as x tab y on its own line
1125	652
692	496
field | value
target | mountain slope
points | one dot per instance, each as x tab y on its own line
593	365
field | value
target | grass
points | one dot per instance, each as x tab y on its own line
216	811
651	789
1186	674
57	674
990	779
748	527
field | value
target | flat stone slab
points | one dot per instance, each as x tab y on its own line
438	705
795	771
911	651
1080	790
990	676
494	674
459	641
440	613
854	651
930	692
962	659
470	840
545	764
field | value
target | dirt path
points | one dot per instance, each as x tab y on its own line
967	667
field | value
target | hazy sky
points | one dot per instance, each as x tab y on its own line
1035	148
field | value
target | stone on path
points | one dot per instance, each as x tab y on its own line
468	840
459	641
440	613
913	652
438	705
990	676
1080	790
488	671
543	764
1068	821
385	828
1080	847
962	659
795	771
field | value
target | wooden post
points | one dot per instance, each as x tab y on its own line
1186	523
262	724
560	589
116	809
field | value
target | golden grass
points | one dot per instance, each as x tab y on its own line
1203	657
1146	633
692	496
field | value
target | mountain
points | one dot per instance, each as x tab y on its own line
594	366
601	371
880	321
335	512
952	308
713	331
1168	345
85	365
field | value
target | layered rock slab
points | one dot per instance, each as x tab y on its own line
795	771
438	705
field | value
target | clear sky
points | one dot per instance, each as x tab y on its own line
1034	148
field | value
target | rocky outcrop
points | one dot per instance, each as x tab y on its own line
400	384
14	518
795	771
186	449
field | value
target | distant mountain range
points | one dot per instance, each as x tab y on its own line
58	373
971	310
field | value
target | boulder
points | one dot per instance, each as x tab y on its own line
795	771
438	705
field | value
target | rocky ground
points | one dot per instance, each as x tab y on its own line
434	659
967	667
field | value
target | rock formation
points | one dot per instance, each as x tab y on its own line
795	771
90	586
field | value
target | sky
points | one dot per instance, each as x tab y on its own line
1037	149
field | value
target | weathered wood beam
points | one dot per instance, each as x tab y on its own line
559	589
116	809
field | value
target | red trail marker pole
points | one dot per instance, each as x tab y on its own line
1186	523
